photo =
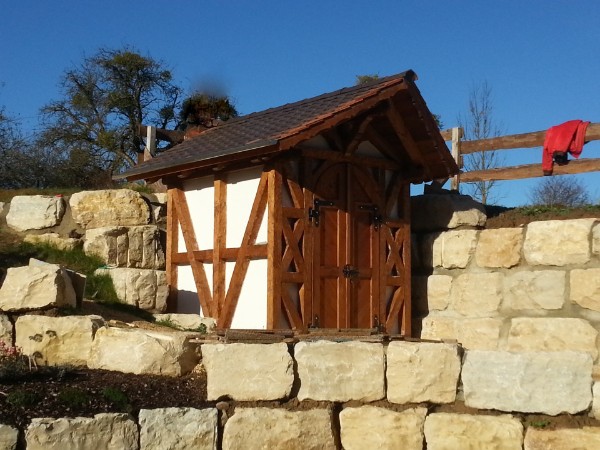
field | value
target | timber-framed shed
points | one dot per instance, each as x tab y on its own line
298	216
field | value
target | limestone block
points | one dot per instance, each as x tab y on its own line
248	371
596	239
178	429
431	293
499	247
278	429
3	208
472	334
143	288
189	322
535	290
476	294
35	212
36	287
340	371
440	212
112	207
596	400
552	334
422	372
158	203
586	438
6	329
454	249
8	437
142	351
102	432
53	239
430	250
137	247
532	382
373	427
585	288
449	431
558	242
57	340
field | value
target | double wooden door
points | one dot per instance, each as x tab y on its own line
346	216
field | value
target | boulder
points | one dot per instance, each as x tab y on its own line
178	429
499	247
340	371
586	438
142	351
473	334
53	239
35	212
57	340
535	290
102	432
585	288
113	207
143	288
440	212
6	329
278	429
248	372
8	437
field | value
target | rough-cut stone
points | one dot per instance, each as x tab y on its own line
57	340
586	438
585	288
188	322
158	203
278	429
596	400
53	239
499	247
340	372
102	432
535	290
472	334
558	242
422	372
476	294
450	431
451	249
178	429
439	212
3	207
8	437
6	329
438	292
104	208
248	371
373	427
36	287
35	212
143	351
532	382
137	247
596	239
143	288
552	334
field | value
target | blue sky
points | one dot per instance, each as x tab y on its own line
541	58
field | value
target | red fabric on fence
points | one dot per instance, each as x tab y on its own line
566	137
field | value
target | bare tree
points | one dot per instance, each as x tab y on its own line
559	191
480	123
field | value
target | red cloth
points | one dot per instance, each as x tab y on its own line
566	137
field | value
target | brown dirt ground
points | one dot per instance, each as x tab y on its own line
501	217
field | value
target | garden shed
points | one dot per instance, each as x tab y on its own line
298	216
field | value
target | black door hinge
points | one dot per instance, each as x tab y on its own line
315	213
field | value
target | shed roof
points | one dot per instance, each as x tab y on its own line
279	129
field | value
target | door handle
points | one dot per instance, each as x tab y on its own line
350	271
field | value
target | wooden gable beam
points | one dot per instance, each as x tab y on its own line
219	241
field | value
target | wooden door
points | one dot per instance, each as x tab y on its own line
346	268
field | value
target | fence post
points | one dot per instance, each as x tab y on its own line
457	134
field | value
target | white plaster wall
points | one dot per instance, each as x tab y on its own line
241	190
251	311
187	297
200	196
365	148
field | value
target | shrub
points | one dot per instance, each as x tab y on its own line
22	398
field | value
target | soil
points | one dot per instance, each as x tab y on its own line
502	217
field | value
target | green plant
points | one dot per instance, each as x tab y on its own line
100	287
117	398
539	423
22	398
13	364
73	397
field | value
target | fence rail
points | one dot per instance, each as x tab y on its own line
511	142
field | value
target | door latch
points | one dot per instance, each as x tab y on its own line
350	272
314	214
376	217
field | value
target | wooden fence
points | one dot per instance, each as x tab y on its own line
460	147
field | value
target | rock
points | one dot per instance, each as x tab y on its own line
472	334
422	372
585	288
340	372
552	334
562	439
450	431
53	239
278	429
178	428
558	242
3	208
535	290
476	294
143	352
499	247
57	340
531	382
6	329
188	322
143	288
596	400
8	437
248	372
35	212
136	247
438	291
115	207
36	287
596	239
440	212
373	427
158	203
102	432
450	250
